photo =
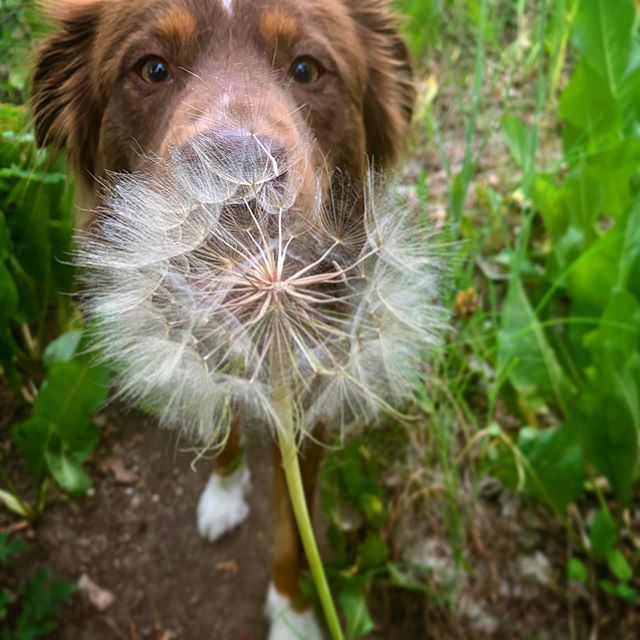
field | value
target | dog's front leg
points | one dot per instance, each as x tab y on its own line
291	615
223	504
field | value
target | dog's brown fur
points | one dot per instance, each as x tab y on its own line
228	72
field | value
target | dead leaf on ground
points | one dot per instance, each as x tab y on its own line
228	566
99	598
115	466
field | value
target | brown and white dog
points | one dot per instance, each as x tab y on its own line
120	80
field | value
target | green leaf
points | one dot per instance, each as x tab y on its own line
60	433
589	109
5	238
608	412
32	438
13	504
602	535
70	396
67	472
353	601
518	137
404	581
576	570
626	592
603	33
29	224
43	598
62	349
631	249
555	465
8	294
593	275
549	201
372	507
619	566
373	551
524	351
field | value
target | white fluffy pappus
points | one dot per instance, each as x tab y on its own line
197	275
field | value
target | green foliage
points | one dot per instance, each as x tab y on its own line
588	368
60	435
353	502
569	337
32	609
36	231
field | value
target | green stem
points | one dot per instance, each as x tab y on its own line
283	405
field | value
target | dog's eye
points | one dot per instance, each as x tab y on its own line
154	70
306	70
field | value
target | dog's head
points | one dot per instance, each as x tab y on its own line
122	79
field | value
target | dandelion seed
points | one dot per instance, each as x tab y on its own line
198	276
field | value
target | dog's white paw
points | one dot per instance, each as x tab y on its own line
222	505
287	623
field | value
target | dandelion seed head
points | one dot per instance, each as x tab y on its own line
201	269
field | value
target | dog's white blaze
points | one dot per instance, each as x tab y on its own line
286	622
222	505
228	6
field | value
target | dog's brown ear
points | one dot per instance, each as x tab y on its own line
390	94
64	109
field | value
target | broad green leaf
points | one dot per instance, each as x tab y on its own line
619	565
353	601
603	33
14	505
609	435
63	348
615	341
555	465
32	438
523	349
602	535
589	109
549	201
594	274
71	394
60	433
609	420
67	472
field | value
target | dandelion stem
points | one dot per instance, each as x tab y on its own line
283	405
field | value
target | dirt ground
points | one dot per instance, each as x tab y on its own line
135	537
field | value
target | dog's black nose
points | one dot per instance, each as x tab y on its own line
238	151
